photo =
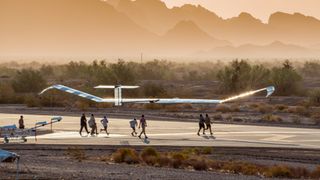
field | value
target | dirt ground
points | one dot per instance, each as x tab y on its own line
53	162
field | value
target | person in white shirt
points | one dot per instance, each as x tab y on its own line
93	125
133	125
104	123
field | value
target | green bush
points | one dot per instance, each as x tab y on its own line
286	80
28	81
240	76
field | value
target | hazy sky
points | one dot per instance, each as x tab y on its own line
259	8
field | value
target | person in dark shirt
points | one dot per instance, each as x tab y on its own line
201	124
21	123
208	123
83	124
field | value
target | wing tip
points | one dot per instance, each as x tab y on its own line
270	90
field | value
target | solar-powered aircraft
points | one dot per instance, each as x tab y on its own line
118	100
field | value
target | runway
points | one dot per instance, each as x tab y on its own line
163	133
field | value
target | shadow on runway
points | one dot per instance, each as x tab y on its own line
208	137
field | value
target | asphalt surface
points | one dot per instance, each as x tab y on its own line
164	133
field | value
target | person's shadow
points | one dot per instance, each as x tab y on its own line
145	141
208	137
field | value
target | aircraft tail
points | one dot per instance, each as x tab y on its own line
117	92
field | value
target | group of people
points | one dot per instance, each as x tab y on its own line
93	125
94	128
204	124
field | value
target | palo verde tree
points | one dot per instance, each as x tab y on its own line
240	75
286	79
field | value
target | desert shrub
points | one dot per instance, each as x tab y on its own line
254	105
239	167
316	173
82	105
28	81
152	106
234	108
163	161
311	69
271	118
191	151
125	155
154	90
279	171
300	172
223	108
76	153
296	120
240	75
104	105
286	80
281	107
7	93
186	106
206	150
316	118
300	110
215	165
264	108
172	108
149	155
177	160
228	117
314	97
217	117
198	164
303	111
32	101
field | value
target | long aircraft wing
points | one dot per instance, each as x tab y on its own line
269	91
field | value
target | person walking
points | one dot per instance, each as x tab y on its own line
208	123
83	124
143	125
133	125
201	125
21	123
93	125
104	123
